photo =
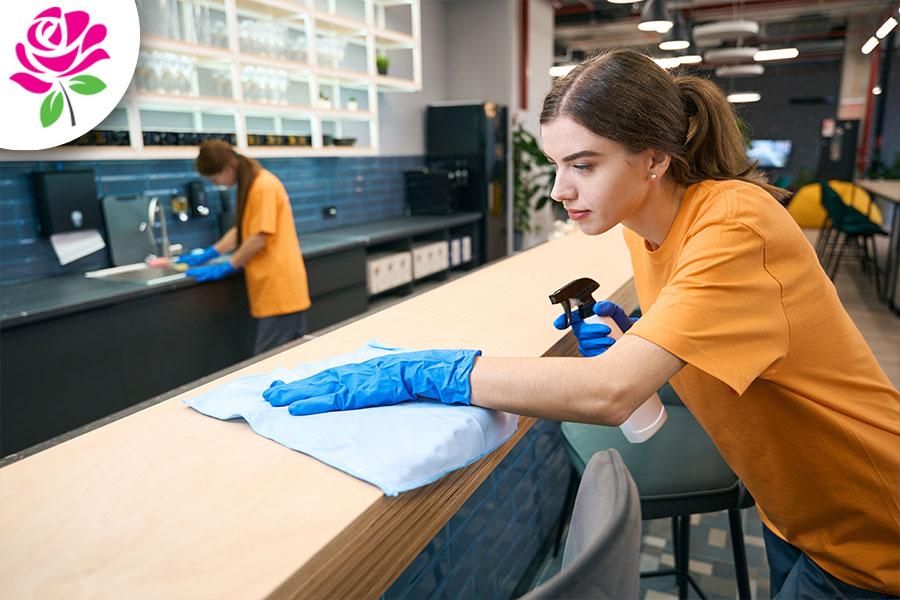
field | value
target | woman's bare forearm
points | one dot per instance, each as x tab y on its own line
249	248
228	242
603	390
552	388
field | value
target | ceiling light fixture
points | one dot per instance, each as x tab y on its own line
886	28
677	38
690	58
561	70
727	30
743	97
870	45
655	17
776	54
740	71
669	62
730	55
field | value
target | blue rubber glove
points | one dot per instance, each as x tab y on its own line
593	338
195	259
212	272
435	374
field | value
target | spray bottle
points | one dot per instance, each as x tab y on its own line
576	295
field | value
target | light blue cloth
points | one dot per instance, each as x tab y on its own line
397	448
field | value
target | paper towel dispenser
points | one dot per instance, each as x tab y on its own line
67	201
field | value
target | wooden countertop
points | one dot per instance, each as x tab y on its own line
168	503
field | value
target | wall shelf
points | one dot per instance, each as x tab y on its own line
340	77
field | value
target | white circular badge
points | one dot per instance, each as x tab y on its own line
64	67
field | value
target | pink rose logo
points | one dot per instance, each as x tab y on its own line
60	46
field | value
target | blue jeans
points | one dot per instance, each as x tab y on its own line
793	575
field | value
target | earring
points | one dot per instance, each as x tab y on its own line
652	175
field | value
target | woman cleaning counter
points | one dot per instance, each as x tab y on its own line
169	503
265	246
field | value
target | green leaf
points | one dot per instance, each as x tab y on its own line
51	108
86	85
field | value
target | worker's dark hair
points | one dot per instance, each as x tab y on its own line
624	96
214	156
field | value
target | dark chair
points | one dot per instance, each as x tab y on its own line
845	223
602	555
679	472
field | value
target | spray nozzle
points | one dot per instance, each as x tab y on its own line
576	293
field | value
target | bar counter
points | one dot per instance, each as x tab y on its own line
168	503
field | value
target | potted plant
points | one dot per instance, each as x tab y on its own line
382	62
352	104
324	102
533	179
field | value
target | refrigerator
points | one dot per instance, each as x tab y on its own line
470	141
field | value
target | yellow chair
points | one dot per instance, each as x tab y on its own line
806	205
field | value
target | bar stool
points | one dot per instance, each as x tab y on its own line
603	550
845	223
679	472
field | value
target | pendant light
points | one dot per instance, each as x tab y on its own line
677	38
655	17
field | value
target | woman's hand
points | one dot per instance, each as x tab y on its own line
435	374
198	257
594	338
211	272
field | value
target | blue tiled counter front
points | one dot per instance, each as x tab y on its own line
484	550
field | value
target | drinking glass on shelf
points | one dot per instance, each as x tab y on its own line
200	14
156	66
280	40
296	46
222	81
144	72
170	65
186	71
219	33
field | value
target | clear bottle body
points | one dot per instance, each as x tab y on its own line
650	416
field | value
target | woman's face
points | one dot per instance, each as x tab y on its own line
226	177
598	181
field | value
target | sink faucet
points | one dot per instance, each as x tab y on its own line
153	209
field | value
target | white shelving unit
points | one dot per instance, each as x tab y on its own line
370	27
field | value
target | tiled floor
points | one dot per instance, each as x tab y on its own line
711	559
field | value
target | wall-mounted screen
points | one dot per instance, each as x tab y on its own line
771	154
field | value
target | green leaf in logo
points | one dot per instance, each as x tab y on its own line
86	85
51	108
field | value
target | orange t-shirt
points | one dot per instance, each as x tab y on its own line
276	277
779	376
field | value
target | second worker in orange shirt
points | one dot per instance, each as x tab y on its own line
264	242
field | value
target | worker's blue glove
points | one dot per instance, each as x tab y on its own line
195	259
212	272
593	338
435	374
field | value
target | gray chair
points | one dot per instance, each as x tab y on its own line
602	554
679	472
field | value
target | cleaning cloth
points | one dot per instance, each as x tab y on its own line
396	448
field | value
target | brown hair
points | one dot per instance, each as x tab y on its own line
626	97
214	156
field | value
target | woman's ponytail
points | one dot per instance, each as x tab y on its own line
714	144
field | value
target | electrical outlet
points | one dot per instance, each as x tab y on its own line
329	212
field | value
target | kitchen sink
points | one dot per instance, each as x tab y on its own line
138	273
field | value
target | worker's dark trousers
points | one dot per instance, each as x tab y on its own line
272	332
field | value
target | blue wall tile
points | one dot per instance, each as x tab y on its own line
363	189
499	530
